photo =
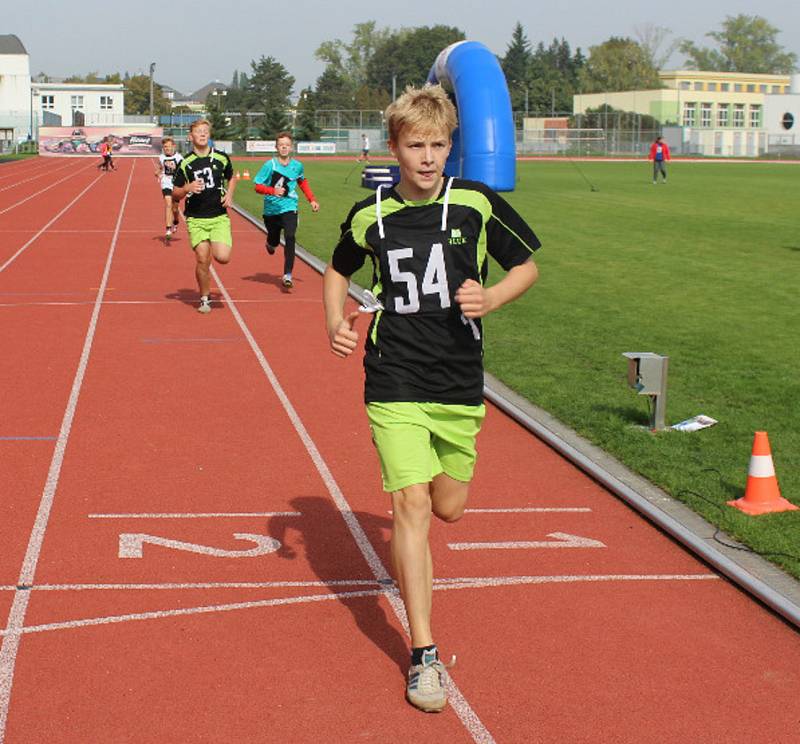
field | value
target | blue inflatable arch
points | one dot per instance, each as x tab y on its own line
483	144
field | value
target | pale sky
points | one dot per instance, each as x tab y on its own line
197	42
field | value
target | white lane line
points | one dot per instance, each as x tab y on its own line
197	515
459	582
33	178
389	591
24	247
16	619
41	191
560	540
480	734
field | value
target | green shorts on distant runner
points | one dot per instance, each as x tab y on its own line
213	229
417	441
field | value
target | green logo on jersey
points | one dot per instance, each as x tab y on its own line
455	237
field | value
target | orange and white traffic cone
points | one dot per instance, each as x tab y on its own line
246	174
762	495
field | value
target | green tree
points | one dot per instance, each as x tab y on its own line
352	59
137	96
268	87
746	44
516	64
333	91
306	129
618	64
408	55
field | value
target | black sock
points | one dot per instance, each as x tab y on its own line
416	653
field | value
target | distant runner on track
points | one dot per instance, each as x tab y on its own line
205	177
168	162
277	181
428	240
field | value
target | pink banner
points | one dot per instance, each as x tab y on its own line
128	141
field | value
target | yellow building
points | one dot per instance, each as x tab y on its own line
722	113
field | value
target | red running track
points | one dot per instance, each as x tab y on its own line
195	540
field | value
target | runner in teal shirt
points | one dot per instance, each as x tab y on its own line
278	180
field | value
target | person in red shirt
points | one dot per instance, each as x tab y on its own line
659	154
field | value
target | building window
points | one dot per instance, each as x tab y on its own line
762	88
738	115
106	103
48	103
776	88
684	85
737	87
705	115
787	122
724	87
751	88
76	102
698	86
755	117
688	114
712	86
723	112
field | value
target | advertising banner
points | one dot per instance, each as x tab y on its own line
327	148
137	140
260	146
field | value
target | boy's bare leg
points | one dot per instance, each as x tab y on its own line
411	557
202	253
169	211
448	497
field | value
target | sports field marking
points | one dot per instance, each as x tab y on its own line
388	591
194	515
41	191
19	607
76	303
480	734
560	540
45	172
27	439
62	212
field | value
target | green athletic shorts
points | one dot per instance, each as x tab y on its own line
417	441
214	229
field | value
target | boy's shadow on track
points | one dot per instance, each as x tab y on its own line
276	280
192	297
322	529
163	241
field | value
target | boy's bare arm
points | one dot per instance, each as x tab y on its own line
476	301
343	338
227	200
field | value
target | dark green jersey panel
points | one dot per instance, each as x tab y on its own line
214	170
419	346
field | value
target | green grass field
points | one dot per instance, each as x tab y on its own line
703	269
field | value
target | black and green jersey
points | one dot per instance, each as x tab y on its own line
214	170
419	346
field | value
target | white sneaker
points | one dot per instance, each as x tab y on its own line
287	281
425	687
205	305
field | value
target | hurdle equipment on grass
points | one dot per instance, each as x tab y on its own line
762	495
380	175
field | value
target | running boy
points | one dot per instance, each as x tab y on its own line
168	162
201	177
364	149
428	240
278	180
105	152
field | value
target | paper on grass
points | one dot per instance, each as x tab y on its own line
695	423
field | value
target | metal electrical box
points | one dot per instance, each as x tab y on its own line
647	375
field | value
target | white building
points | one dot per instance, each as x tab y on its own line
81	104
16	121
782	118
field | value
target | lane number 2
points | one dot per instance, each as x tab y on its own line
131	545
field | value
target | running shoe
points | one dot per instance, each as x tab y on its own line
168	235
270	248
425	688
287	281
205	305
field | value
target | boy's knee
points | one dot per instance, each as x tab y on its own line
450	513
412	504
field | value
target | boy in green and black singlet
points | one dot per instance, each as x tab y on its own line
205	177
428	239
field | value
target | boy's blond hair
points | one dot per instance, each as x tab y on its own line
198	123
166	139
426	109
